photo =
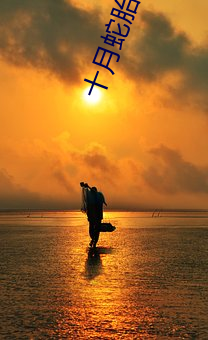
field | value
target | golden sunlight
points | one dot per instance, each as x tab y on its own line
95	96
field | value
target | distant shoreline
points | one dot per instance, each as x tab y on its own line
27	211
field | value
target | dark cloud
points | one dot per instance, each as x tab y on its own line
55	36
47	34
97	159
99	165
161	49
171	174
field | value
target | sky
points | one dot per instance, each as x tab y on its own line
143	142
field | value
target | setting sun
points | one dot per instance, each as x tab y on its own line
95	96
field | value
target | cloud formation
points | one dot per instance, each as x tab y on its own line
99	164
159	48
47	34
52	176
57	37
162	50
14	196
171	174
168	181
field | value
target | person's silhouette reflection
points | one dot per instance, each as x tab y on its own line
93	265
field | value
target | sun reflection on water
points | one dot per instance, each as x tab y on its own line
143	281
120	293
93	265
103	304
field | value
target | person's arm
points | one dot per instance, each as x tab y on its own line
84	187
104	202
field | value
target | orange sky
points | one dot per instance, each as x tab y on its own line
144	143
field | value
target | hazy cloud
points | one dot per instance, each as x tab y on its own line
171	174
63	178
14	196
169	180
97	161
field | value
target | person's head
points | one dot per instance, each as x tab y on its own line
94	189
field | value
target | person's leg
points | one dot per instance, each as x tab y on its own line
91	229
97	231
97	234
92	232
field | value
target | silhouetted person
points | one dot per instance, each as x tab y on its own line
93	206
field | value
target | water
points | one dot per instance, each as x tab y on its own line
147	280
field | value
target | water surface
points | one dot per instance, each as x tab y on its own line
146	280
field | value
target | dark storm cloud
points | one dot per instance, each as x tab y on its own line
171	174
47	34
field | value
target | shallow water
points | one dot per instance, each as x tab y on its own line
146	280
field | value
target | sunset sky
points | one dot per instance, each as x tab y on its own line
143	143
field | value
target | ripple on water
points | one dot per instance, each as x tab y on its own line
140	283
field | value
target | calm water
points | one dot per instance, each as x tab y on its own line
147	280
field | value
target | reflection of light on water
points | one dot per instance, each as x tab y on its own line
104	304
144	282
93	265
115	292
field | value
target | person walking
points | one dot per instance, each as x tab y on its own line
92	204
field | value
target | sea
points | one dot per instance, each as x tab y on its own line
148	279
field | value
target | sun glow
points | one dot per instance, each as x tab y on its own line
95	96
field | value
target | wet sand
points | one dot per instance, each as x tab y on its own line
146	280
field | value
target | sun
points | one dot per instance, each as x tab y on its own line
95	96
